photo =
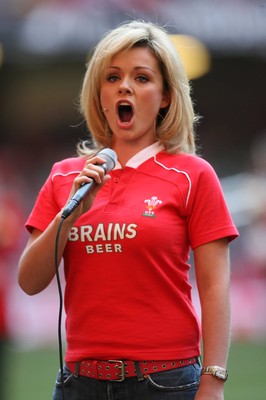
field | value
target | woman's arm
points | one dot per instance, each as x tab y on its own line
37	263
212	266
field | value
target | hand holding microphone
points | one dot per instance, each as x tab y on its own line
110	158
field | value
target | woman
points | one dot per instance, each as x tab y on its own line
131	328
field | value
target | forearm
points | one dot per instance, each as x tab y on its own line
216	339
216	317
213	278
37	263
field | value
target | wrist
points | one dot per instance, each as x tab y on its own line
69	221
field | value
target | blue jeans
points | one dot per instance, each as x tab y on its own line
176	384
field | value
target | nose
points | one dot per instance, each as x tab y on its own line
124	87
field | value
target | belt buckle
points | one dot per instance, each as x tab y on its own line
121	376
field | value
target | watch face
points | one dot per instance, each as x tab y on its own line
220	374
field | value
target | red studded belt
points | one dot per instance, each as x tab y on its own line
118	370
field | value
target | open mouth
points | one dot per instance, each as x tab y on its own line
125	112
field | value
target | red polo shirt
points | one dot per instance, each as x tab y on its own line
126	262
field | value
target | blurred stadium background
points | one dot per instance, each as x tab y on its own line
44	45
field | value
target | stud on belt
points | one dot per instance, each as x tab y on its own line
119	370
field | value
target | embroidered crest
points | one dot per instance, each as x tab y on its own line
151	205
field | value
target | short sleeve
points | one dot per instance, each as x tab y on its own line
45	208
209	218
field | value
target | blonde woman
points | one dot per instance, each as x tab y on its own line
132	331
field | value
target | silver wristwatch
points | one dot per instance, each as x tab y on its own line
214	370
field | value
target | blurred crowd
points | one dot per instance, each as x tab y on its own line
246	196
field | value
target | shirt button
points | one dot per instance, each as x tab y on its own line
116	180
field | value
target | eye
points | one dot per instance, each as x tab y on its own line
112	78
142	79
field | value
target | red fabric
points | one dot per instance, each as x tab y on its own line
128	294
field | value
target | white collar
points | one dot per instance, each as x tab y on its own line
142	156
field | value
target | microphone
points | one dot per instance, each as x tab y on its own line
110	158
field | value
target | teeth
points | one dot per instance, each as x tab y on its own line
124	103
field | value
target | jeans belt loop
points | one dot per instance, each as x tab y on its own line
138	371
76	372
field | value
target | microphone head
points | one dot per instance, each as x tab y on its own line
110	158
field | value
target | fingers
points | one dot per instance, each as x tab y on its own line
92	171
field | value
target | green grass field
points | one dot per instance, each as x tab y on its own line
30	375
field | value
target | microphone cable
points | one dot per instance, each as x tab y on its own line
110	158
60	310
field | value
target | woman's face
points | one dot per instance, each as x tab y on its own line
132	94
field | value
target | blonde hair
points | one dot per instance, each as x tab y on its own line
175	123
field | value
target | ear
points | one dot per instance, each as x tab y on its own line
165	100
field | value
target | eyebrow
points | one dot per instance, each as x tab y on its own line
135	68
